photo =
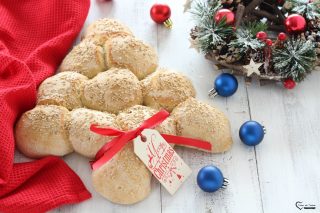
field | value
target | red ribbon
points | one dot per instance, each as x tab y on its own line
122	138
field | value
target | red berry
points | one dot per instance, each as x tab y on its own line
289	83
282	36
269	42
262	35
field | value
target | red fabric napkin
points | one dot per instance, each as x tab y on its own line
34	38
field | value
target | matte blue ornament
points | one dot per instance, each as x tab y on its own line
225	85
252	133
210	179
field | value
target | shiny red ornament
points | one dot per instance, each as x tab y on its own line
262	35
160	13
289	83
295	23
282	36
269	42
228	14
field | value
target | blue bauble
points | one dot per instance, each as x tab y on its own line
251	133
226	84
210	179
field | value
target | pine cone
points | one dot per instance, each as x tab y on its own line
229	55
193	33
258	56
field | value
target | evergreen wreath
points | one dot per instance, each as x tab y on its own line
280	39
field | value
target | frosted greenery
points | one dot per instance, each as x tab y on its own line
208	33
311	10
246	40
295	59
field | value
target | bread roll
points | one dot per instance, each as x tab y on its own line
86	58
166	89
84	141
112	91
63	89
131	53
103	29
125	179
43	131
202	121
133	117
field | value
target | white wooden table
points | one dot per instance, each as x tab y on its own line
268	178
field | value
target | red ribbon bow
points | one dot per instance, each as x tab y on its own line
122	138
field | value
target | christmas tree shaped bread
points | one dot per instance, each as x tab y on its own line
109	92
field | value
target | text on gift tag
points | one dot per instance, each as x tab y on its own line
160	158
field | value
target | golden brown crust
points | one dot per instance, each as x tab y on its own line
202	121
112	91
166	89
85	58
43	131
103	29
133	117
63	89
124	179
84	141
131	53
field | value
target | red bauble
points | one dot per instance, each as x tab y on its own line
228	14
289	83
269	42
282	36
160	13
295	23
262	35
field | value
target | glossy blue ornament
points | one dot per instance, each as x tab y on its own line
225	85
251	133
210	179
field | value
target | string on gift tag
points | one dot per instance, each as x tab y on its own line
123	137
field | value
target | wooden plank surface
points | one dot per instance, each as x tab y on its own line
288	159
269	178
238	164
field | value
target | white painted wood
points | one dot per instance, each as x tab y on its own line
284	165
243	194
288	158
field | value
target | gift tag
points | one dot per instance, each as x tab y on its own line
160	158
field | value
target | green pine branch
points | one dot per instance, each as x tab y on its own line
254	27
295	59
311	10
246	40
208	33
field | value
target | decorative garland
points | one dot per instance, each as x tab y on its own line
271	40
